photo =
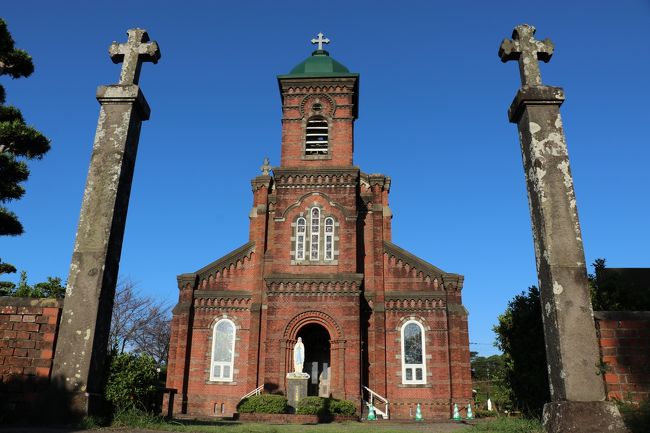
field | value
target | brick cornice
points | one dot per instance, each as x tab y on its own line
414	304
263	181
230	302
309	284
235	294
186	279
316	176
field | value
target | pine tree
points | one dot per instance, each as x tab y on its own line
18	141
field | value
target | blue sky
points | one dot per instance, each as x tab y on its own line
432	115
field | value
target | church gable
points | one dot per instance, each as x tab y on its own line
407	272
231	272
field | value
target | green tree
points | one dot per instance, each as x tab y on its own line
131	380
18	141
489	380
520	335
618	289
6	286
52	288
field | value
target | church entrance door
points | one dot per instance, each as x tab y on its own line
317	358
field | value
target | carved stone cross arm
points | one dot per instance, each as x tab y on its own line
132	53
524	48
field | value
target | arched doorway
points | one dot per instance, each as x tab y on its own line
317	358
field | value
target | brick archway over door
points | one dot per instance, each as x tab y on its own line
337	347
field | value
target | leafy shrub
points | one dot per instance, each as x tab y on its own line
342	407
484	413
265	403
131	378
313	406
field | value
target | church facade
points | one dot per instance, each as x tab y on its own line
377	322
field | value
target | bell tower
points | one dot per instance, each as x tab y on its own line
319	107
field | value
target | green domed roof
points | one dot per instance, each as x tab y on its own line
319	64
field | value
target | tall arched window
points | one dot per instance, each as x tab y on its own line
329	238
223	350
315	233
316	137
413	371
301	231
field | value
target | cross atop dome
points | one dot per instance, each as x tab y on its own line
320	41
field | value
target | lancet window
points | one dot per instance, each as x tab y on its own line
223	351
315	233
301	232
329	239
413	368
315	238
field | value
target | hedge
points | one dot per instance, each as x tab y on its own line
313	406
265	403
342	407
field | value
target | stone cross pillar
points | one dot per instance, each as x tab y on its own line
577	391
78	369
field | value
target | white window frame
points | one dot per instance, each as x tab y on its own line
223	364
314	231
328	253
301	238
413	367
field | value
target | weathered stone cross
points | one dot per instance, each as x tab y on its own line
524	48
136	50
320	41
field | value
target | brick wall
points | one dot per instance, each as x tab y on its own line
28	329
624	338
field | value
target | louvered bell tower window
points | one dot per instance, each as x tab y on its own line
316	137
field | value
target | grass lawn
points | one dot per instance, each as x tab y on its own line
500	425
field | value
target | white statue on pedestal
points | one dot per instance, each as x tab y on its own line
298	356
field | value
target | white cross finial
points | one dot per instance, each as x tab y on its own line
320	41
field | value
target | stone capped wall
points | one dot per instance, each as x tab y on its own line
624	340
28	331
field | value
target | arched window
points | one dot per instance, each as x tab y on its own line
301	231
316	137
315	233
329	238
413	370
223	350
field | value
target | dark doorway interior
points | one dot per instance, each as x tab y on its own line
317	356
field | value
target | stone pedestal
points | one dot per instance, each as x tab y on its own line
582	417
296	388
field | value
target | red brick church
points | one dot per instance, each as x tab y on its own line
376	321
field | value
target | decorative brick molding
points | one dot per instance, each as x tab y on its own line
28	332
624	340
414	304
321	176
338	284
